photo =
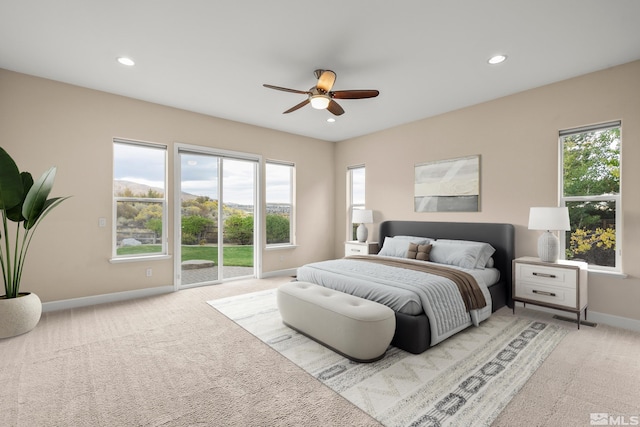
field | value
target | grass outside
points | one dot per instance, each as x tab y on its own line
239	256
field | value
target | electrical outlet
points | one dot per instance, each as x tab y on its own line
149	272
102	222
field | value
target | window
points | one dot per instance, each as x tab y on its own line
355	195
591	190
279	179
139	199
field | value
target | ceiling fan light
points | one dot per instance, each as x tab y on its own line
320	102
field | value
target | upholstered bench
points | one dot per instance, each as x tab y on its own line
359	329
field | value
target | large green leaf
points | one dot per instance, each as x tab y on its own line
34	202
11	190
15	213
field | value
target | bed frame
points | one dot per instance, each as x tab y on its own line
412	332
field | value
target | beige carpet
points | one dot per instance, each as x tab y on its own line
171	360
593	370
162	361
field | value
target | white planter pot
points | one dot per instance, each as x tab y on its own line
19	315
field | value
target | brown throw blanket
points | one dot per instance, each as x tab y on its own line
469	290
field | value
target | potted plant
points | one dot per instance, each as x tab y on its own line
25	204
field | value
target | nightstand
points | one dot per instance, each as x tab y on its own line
353	247
561	285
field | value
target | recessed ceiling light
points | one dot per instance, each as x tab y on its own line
331	120
126	61
497	59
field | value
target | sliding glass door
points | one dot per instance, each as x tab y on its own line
215	235
238	211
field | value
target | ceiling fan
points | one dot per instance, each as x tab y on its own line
322	97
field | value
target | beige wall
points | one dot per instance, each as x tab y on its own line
517	138
45	123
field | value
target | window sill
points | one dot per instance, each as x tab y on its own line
120	260
614	274
279	247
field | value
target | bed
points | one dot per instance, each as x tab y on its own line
414	330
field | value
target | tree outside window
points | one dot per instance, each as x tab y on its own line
591	191
279	179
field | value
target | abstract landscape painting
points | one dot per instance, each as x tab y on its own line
448	185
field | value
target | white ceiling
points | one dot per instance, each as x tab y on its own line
211	56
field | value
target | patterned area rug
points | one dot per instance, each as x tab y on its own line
465	380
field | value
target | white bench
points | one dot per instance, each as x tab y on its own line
358	329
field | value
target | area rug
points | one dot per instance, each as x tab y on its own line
465	380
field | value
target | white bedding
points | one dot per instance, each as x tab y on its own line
405	290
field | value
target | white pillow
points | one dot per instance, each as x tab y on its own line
395	247
465	256
486	250
415	239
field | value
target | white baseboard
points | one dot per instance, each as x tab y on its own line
105	298
592	316
617	321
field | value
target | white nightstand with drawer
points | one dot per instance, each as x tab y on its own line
353	247
561	285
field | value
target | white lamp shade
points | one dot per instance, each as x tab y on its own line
549	219
362	216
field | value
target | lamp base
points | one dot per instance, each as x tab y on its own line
548	245
362	233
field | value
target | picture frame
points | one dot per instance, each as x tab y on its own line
451	185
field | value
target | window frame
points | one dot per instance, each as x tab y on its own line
615	198
351	206
292	204
164	252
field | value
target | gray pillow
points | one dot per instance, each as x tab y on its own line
486	250
395	247
465	256
415	239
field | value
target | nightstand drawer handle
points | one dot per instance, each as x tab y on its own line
355	250
549	294
551	276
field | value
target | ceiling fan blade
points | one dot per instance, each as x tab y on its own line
295	107
326	80
354	94
303	92
334	108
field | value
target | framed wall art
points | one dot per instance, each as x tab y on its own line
451	185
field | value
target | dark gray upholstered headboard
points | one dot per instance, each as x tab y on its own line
500	236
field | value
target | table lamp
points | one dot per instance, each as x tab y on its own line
362	217
549	219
